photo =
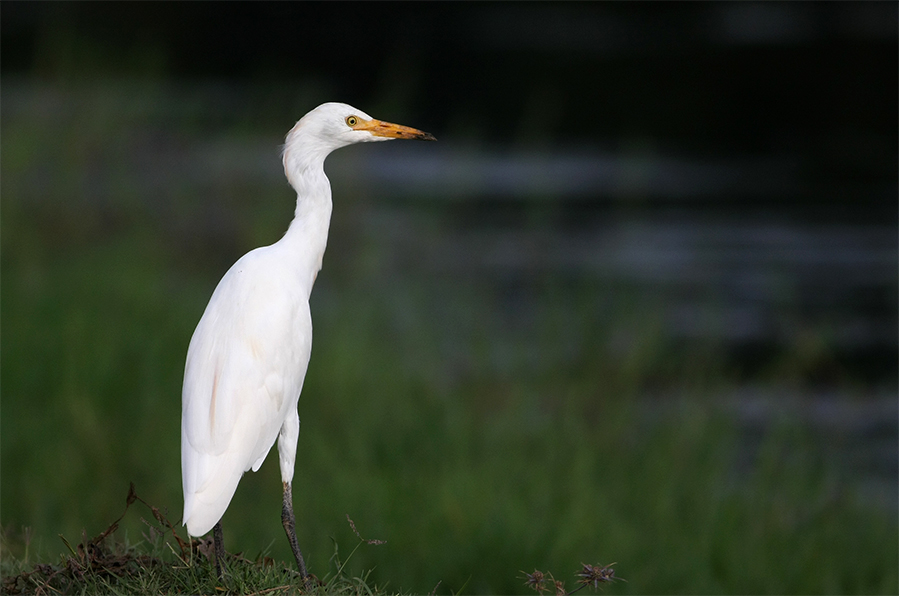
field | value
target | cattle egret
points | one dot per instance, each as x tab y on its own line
248	355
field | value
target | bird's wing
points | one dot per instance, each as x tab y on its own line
244	371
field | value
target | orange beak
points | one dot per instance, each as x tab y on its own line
379	128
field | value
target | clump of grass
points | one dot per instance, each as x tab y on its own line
167	563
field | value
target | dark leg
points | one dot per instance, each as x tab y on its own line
290	523
219	543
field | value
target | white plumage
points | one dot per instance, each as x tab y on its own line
248	355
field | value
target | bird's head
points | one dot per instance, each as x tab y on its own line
334	125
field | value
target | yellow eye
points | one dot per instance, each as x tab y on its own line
351	120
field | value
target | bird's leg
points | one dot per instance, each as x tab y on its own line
290	523
219	543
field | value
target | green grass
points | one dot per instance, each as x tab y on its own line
477	446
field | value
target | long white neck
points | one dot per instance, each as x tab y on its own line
307	236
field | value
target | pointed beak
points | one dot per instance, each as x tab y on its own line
389	130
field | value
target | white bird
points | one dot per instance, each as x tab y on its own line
248	355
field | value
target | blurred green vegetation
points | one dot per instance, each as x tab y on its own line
472	466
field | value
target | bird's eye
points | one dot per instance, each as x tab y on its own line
351	121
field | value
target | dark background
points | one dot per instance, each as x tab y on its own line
752	77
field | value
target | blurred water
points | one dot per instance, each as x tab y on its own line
685	229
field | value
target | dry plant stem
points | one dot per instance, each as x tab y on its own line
289	522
